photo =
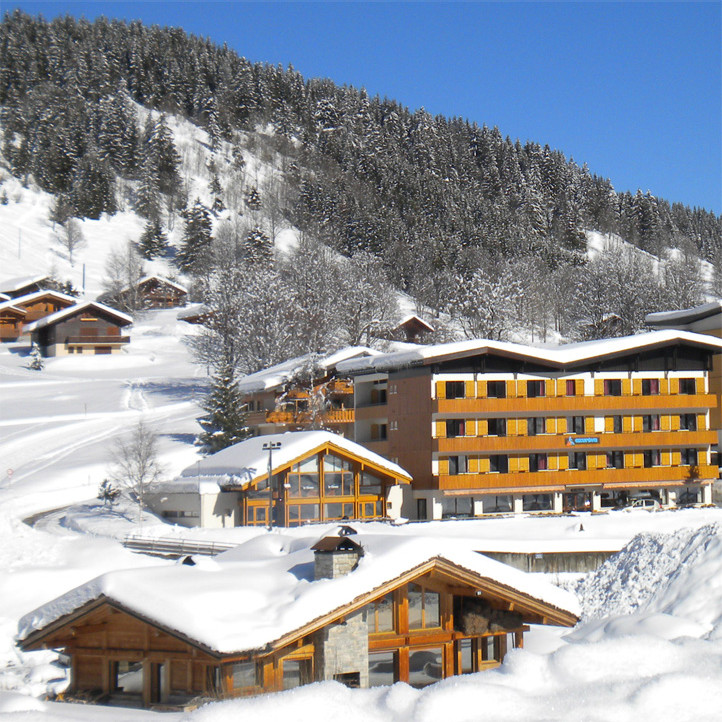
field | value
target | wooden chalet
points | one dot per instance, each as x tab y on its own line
365	611
302	393
156	292
315	476
85	328
198	314
12	318
23	285
412	329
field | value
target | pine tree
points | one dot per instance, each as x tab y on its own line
153	242
37	362
93	190
197	238
225	422
257	246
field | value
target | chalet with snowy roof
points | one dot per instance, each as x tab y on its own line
155	292
85	328
197	314
12	318
487	427
22	285
315	476
302	393
277	613
413	328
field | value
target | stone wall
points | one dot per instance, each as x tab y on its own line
343	648
331	565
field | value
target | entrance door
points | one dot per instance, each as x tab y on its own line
157	683
421	511
578	501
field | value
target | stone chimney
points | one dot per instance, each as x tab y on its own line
335	556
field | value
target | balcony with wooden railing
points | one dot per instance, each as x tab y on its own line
95	340
559	442
573	404
540	481
300	418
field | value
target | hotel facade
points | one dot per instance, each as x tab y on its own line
488	427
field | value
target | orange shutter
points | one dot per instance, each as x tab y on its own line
440	389
469	389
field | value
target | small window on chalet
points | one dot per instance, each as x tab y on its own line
244	675
615	460
578	460
455	427
497	427
380	615
575	425
303	478
651	422
538	462
688	422
424	608
612	387
535	425
337	476
535	389
496	389
369	484
650	387
455	390
652	457
689	457
457	465
571	388
687	386
499	463
617	424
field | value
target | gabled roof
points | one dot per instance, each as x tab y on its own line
58	316
414	320
247	462
10	308
4	297
261	595
559	356
275	376
36	295
161	279
194	311
9	285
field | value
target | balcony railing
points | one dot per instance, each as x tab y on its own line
94	340
330	416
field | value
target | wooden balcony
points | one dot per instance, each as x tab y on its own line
331	416
572	404
540	481
559	442
95	340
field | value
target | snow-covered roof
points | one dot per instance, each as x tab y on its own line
17	282
31	297
413	317
78	308
556	356
161	279
10	306
193	311
275	376
685	316
247	461
4	297
263	591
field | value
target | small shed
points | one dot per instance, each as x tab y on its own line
413	328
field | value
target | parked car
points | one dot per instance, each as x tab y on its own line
647	503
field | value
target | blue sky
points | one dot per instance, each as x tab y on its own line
634	89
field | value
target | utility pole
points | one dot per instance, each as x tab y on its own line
270	446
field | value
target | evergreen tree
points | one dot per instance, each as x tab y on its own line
93	189
257	247
153	241
197	238
225	422
37	362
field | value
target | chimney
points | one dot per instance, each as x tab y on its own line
335	556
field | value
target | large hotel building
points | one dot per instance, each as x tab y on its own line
486	427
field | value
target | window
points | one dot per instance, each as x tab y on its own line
297	672
535	425
455	427
499	463
423	607
457	506
571	388
382	668
687	386
688	422
650	423
337	476
496	389
650	387
244	675
497	427
303	478
537	502
615	460
652	457
339	510
612	387
575	425
535	389
457	465
380	615
303	513
379	432
465	651
689	457
537	462
617	424
369	484
455	390
578	460
426	666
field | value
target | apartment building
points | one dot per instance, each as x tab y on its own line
487	427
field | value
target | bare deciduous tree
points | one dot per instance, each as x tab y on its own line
135	462
71	237
123	270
